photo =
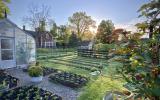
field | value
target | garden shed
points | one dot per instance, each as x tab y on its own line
17	48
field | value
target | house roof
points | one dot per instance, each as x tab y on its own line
33	33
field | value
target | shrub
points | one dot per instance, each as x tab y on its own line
104	47
43	50
35	71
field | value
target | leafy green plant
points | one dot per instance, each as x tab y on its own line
35	71
139	71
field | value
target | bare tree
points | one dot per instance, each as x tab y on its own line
37	15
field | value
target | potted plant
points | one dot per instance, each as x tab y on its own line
36	73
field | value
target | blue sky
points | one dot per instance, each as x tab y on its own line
121	12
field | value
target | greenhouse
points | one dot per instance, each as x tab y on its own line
17	48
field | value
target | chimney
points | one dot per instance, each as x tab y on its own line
5	14
24	27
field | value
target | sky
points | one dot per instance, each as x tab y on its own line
123	13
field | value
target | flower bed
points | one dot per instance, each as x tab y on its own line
8	80
69	79
28	93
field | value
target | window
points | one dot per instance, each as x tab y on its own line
7	54
6	44
7	49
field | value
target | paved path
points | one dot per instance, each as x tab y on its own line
65	92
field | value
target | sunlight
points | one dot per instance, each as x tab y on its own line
93	30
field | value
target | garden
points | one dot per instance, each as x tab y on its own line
80	60
81	73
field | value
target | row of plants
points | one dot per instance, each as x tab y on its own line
52	56
28	93
50	50
88	68
81	63
69	79
84	59
7	81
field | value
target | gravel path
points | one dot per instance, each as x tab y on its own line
65	92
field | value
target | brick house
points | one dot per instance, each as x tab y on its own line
43	39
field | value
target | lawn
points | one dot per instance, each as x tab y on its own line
96	89
67	60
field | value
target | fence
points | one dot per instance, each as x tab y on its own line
92	53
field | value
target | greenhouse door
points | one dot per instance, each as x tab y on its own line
7	57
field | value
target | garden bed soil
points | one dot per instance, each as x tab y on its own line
69	79
28	93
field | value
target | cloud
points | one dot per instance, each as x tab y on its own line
129	26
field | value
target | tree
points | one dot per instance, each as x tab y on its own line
105	29
4	7
38	16
141	64
73	40
42	26
80	22
53	29
142	26
151	11
63	35
88	36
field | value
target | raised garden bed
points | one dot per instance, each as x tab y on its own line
8	80
69	79
28	93
48	71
